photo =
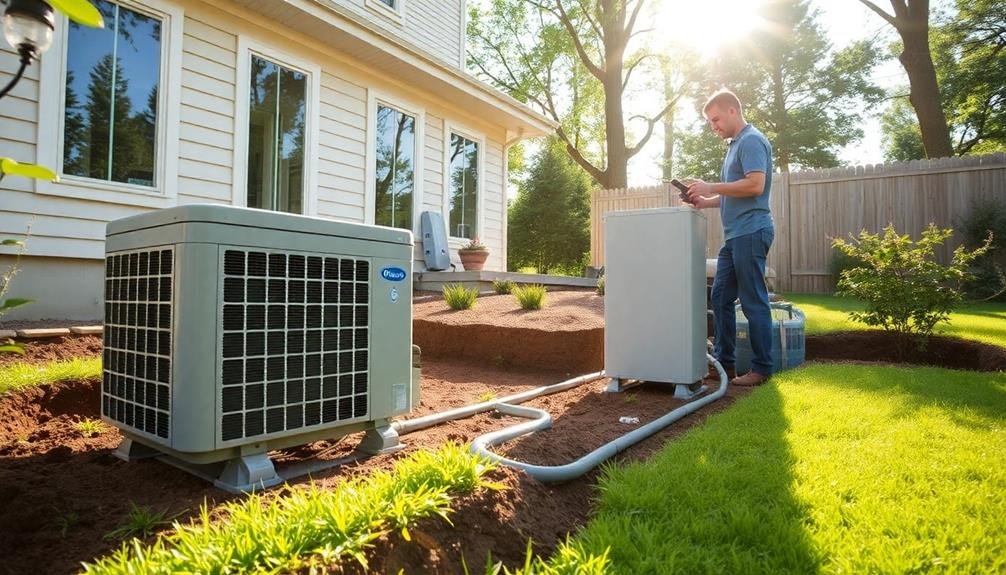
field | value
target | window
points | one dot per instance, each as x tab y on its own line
277	118
276	140
111	95
389	9
395	169
108	105
389	3
463	187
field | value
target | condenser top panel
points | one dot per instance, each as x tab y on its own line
258	219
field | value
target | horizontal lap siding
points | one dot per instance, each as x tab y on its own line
342	165
492	204
431	25
206	130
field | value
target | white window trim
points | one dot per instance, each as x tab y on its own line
374	99
51	109
246	48
480	139
396	14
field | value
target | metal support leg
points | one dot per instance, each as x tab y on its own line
381	439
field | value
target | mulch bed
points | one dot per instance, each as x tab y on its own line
61	492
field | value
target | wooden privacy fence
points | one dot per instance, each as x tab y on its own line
810	208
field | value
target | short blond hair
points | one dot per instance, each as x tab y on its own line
723	98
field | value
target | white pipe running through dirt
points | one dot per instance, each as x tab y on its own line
542	420
410	425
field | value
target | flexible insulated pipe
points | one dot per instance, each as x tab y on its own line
410	425
575	469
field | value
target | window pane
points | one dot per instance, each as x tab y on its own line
396	149
112	82
463	196
276	137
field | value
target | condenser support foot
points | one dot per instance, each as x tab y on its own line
688	390
620	384
248	473
381	439
130	451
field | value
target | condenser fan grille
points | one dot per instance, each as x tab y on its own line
136	374
294	345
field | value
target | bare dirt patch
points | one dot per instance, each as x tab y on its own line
61	492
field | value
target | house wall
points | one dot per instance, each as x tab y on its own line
436	26
207	134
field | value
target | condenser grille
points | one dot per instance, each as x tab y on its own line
294	349
136	374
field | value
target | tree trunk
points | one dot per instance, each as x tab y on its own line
612	23
668	164
924	91
781	120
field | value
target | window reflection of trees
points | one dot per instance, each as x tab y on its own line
396	135
111	134
276	140
464	174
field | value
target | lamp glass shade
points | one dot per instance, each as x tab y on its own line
22	30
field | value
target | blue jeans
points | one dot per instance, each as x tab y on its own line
740	272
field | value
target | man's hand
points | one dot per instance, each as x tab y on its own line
699	193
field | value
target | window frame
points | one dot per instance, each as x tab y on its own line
246	48
396	14
480	139
375	99
51	108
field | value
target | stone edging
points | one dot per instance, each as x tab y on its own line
41	333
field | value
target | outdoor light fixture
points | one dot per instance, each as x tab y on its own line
28	27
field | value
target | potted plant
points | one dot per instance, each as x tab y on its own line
473	254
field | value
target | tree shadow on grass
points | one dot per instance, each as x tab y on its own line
715	499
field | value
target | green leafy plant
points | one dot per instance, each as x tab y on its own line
600	286
530	296
987	281
89	427
906	291
474	245
841	261
142	523
503	287
66	521
458	296
9	346
486	396
527	270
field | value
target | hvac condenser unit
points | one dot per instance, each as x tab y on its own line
230	332
655	297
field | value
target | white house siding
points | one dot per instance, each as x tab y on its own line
431	25
206	128
73	229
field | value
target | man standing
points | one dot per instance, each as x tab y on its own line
743	199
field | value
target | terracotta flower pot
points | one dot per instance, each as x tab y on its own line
473	260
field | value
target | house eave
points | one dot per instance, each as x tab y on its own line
346	32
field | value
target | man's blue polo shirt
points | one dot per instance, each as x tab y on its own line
749	151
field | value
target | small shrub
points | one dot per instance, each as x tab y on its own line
458	296
503	287
65	522
527	270
600	286
530	296
841	261
905	289
987	280
141	523
89	427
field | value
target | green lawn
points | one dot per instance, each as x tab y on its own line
985	322
20	375
829	469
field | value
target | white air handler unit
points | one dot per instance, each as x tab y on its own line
230	332
655	298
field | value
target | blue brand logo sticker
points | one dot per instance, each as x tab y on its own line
393	274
